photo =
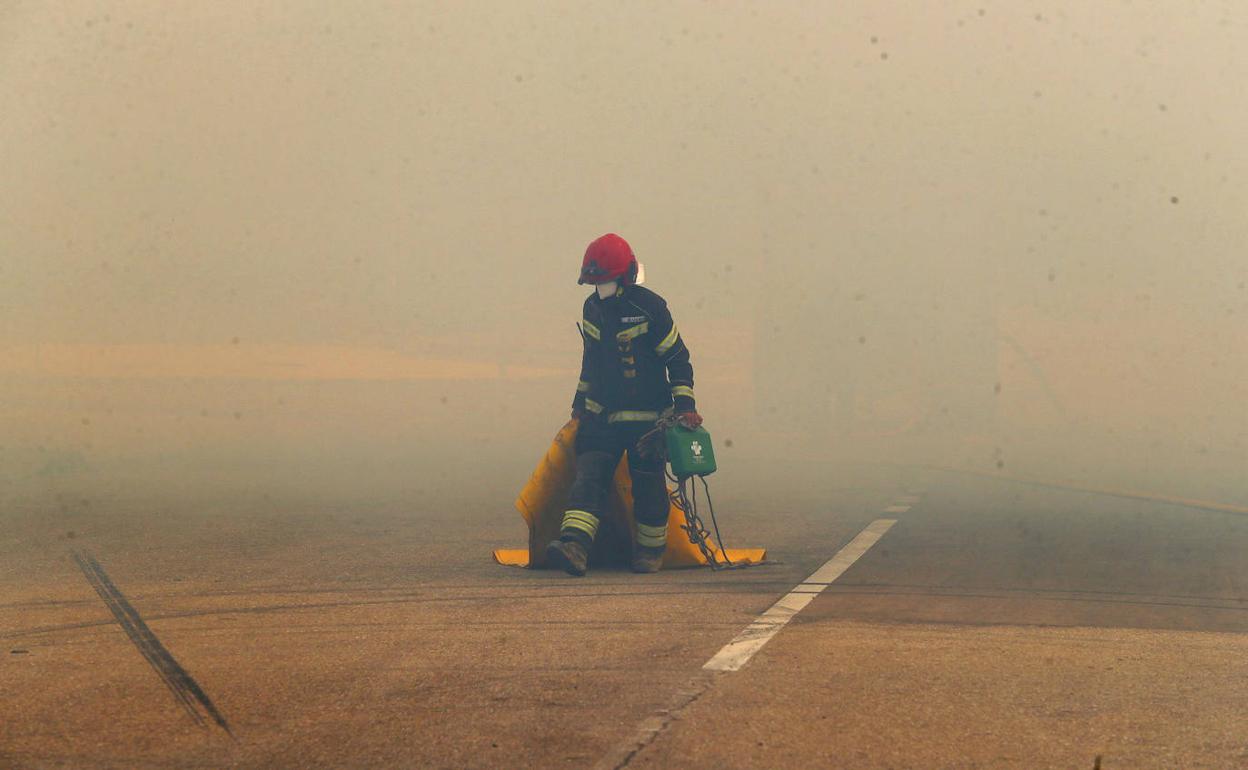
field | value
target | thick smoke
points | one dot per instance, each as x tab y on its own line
301	248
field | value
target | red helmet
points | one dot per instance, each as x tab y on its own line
607	259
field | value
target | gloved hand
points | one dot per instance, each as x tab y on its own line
689	419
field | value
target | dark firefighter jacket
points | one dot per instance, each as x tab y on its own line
635	364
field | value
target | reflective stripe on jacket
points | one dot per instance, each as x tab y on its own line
634	363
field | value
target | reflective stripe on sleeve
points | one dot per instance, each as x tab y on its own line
668	341
682	390
582	387
651	536
593	406
591	330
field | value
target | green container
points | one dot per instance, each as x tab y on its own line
690	451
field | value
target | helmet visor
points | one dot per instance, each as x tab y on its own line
593	273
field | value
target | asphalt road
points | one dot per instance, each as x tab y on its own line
993	625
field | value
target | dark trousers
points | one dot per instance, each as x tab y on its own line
599	445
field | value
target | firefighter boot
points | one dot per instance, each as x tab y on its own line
571	551
647	559
568	555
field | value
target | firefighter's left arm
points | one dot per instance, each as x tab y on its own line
671	350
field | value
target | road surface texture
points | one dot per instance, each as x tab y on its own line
991	624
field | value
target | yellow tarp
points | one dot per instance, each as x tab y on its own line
544	498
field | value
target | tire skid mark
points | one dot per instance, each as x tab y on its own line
1112	597
364	602
185	689
540	588
604	624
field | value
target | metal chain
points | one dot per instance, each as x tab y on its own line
696	530
693	527
654	445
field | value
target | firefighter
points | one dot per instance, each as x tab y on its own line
634	369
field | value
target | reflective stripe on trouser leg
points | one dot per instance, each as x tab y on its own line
580	523
650	536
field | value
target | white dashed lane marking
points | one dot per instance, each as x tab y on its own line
738	652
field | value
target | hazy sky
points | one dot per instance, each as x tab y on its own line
295	171
423	177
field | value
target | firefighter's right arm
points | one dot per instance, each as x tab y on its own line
583	386
583	402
